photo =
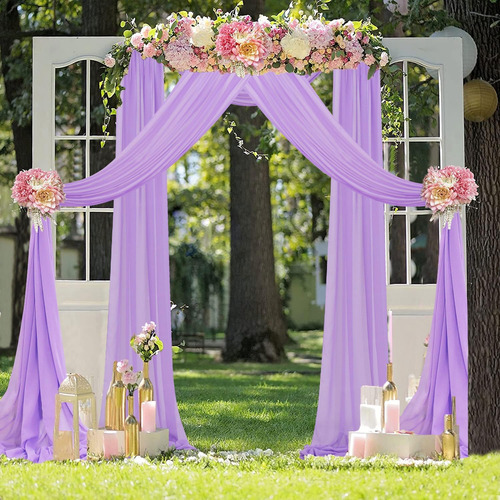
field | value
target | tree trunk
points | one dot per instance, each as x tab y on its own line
9	20
483	265
256	329
99	18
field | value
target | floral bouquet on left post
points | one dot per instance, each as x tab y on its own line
40	192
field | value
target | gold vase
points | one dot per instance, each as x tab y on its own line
131	431
146	392
448	437
389	392
110	406
118	397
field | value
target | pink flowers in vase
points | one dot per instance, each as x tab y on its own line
446	190
146	344
40	192
130	378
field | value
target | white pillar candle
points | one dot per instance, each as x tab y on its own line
391	414
358	445
110	444
148	416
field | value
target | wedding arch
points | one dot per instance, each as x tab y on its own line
152	135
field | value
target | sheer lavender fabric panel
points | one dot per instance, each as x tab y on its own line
354	339
195	104
294	108
140	277
27	410
445	372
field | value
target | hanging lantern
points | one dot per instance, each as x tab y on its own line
480	100
469	49
75	390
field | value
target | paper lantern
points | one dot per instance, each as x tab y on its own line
480	100
469	49
75	390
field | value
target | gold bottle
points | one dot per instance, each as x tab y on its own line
456	429
118	395
448	437
146	392
131	427
389	392
110	406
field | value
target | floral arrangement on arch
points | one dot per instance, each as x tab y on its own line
146	344
40	192
130	378
446	190
289	42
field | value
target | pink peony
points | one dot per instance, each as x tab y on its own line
228	34
130	377
136	41
145	31
149	50
369	60
122	366
109	61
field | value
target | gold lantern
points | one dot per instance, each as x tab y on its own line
77	391
480	100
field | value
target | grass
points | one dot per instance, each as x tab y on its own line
243	407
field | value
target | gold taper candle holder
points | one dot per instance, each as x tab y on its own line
389	393
110	405
146	391
118	395
131	431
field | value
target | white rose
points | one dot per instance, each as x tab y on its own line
296	44
151	343
202	34
384	59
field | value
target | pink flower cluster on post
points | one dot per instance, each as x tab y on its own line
129	378
40	192
146	343
446	190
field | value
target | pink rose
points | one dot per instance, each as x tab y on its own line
136	40
109	61
149	50
369	59
384	59
122	366
129	377
145	31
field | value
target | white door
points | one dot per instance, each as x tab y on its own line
66	133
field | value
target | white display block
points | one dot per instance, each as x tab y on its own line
151	443
401	445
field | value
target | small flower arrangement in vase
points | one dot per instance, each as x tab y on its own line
146	344
131	381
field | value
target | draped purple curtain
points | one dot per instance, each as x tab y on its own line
445	372
27	410
140	290
354	339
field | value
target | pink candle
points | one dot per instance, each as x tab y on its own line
389	335
391	415
110	444
148	416
358	445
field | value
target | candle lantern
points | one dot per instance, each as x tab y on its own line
77	391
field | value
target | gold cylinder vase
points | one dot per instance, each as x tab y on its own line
389	392
131	431
146	392
110	405
118	396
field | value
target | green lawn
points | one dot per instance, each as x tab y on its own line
241	407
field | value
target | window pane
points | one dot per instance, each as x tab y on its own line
70	160
101	228
422	156
96	105
423	102
424	248
394	158
397	249
70	246
392	102
70	99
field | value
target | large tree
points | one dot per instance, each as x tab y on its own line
482	156
256	329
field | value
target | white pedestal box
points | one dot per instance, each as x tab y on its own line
151	443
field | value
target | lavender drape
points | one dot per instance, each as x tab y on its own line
445	371
354	339
140	289
27	409
140	278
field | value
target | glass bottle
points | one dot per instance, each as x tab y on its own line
110	407
131	427
146	391
118	395
389	392
448	437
